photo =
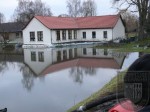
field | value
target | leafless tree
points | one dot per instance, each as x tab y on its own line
130	19
26	9
142	9
63	15
89	8
2	17
74	8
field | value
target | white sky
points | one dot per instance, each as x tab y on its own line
104	7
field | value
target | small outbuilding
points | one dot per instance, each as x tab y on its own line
49	31
11	31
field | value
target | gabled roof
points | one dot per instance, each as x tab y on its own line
94	22
11	27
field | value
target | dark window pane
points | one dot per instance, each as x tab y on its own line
70	54
64	34
105	52
58	35
33	56
41	56
40	35
70	34
93	34
84	51
32	36
75	52
105	34
94	51
75	34
64	54
84	34
58	56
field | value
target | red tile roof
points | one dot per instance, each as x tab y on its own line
108	21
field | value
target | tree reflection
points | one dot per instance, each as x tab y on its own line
77	73
28	77
3	67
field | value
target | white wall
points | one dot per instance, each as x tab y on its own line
99	34
54	37
35	26
41	65
119	30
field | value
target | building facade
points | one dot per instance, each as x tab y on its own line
50	31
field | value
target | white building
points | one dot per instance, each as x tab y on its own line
49	31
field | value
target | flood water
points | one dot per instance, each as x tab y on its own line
55	79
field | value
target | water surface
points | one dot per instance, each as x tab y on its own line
53	80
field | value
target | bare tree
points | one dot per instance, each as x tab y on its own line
63	15
142	9
26	9
89	8
74	8
148	22
2	17
130	19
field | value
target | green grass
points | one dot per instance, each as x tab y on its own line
132	34
130	47
110	87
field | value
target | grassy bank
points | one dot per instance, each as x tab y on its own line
138	46
110	87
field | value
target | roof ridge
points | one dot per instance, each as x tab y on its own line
53	22
78	17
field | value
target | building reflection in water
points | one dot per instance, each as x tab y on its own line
79	61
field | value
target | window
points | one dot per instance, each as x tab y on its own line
75	52
58	56
40	35
33	56
41	56
75	34
84	34
64	34
94	34
17	35
70	34
64	54
32	36
105	34
70	54
94	51
105	52
84	51
58	35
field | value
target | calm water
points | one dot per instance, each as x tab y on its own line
53	80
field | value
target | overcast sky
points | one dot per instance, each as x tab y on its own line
104	7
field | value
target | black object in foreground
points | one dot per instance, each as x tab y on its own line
3	110
98	102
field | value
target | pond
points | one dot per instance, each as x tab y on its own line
55	79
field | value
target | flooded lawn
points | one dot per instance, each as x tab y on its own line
53	80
